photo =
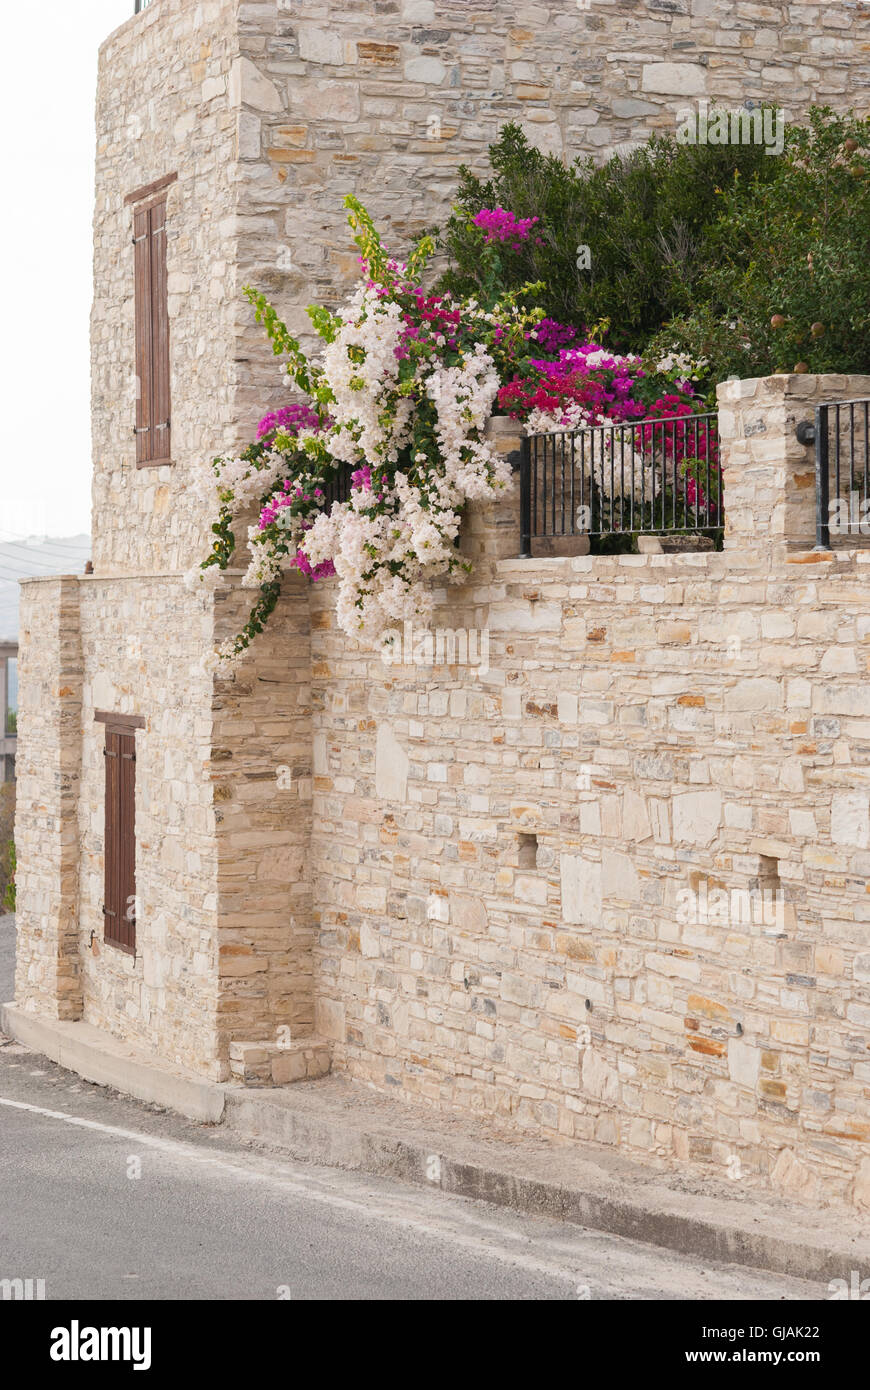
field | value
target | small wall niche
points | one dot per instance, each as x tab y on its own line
527	851
768	871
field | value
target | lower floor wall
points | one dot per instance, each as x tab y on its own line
221	905
612	881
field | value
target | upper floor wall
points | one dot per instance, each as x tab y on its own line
270	113
162	109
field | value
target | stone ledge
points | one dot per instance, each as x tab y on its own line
674	545
345	1124
280	1064
810	557
105	1060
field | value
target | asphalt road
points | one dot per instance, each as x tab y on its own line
105	1198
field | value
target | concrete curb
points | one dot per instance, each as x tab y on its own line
761	1233
100	1058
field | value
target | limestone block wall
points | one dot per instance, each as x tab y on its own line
48	766
162	108
516	869
142	643
223	803
261	778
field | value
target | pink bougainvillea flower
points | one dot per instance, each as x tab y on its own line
501	225
290	418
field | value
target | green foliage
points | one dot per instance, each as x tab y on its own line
757	262
786	266
367	238
9	894
644	215
379	265
260	613
282	340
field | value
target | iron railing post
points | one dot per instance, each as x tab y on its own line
526	499
823	514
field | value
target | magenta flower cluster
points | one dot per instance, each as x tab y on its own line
323	571
291	418
550	335
604	384
501	225
362	478
363	481
435	319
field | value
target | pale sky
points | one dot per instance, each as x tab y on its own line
47	104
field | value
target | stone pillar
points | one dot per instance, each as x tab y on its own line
768	475
491	530
48	766
262	773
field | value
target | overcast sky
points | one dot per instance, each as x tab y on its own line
47	103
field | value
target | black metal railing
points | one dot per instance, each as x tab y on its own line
842	439
656	475
140	5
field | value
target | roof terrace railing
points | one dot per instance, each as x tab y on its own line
841	435
656	475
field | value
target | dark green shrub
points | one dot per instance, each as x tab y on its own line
786	265
644	215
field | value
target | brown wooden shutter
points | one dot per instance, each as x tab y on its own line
111	904
119	906
142	257
153	443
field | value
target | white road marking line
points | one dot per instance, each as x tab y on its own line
303	1187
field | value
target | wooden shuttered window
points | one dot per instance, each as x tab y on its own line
119	896
153	438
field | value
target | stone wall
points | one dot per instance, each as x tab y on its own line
223	932
510	866
132	647
261	779
142	647
162	108
48	768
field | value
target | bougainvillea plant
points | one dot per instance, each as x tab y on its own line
400	395
367	477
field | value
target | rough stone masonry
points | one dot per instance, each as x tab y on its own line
472	887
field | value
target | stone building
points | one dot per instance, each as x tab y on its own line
465	885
